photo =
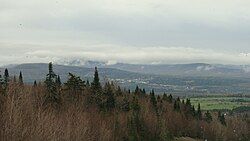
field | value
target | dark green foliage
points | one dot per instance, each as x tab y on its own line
125	105
221	118
136	127
189	110
14	79
143	91
183	101
170	98
153	99
2	82
159	99
96	85
177	105
74	85
199	114
87	83
6	76
35	84
178	99
137	90
52	96
188	103
110	104
165	97
118	91
96	88
58	81
193	112
208	117
110	100
20	80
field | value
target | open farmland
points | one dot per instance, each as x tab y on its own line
219	103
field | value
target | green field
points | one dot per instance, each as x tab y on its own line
217	103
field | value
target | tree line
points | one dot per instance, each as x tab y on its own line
112	99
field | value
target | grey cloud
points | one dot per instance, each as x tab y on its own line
33	27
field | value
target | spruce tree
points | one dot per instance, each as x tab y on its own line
20	80
153	99
119	91
87	83
199	114
74	85
208	117
1	84
35	84
170	98
193	112
125	105
221	118
6	76
96	82
58	81
137	90
176	105
52	96
97	89
110	103
164	97
159	100
14	79
144	91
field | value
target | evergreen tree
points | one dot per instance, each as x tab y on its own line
193	112
170	98
137	90
183	101
159	99
35	84
110	103
2	82
97	89
153	99
87	83
178	99
6	76
165	97
137	130
188	103
177	105
74	85
199	114
144	91
58	81
119	91
14	79
125	105
129	91
20	80
96	85
221	118
208	117
52	96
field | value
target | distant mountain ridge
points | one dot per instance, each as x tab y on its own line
194	69
188	79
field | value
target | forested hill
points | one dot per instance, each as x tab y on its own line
89	110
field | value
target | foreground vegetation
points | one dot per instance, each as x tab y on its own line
79	110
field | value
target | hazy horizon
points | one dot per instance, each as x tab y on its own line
131	31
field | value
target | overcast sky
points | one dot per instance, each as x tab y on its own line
129	31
